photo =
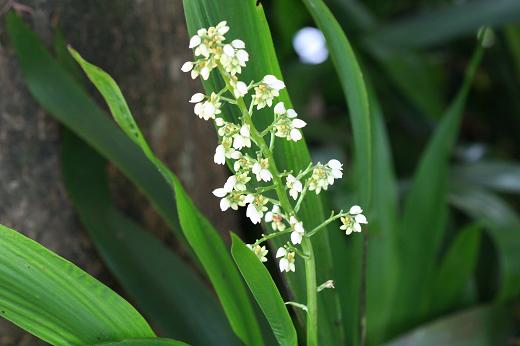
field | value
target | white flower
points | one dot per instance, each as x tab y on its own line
352	223
225	150
336	168
206	109
243	138
239	88
294	186
261	170
286	124
266	91
256	208
231	199
298	231
243	163
259	251
287	261
276	218
195	41
234	57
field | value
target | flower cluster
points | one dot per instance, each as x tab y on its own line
256	182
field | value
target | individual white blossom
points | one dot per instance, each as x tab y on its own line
294	186
287	125
241	181
275	217
239	88
233	199
256	208
259	251
225	150
336	168
353	221
206	109
242	138
261	170
234	57
324	175
297	230
266	91
243	163
287	260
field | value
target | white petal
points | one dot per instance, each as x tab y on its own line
195	41
239	44
291	113
256	168
230	183
296	238
284	265
298	123
348	231
281	252
187	66
268	217
228	50
296	135
242	56
293	193
279	108
334	164
224	204
240	89
197	97
265	175
219	122
292	267
204	73
244	131
249	199
360	218
298	186
355	209
357	227
299	227
220	192
276	209
220	155
238	142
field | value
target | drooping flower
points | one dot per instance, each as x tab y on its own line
276	218
225	150
242	138
297	230
287	260
239	88
352	223
294	186
266	91
256	208
206	109
261	170
259	251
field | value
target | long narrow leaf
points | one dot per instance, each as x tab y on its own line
202	237
58	302
422	228
145	342
169	292
265	292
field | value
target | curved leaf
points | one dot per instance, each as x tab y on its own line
145	342
265	292
58	302
202	237
169	292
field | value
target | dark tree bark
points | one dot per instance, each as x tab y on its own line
142	44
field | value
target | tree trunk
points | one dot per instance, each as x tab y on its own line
142	44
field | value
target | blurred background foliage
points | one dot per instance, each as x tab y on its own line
414	56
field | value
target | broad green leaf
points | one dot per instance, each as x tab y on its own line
456	269
446	23
167	290
63	98
200	234
354	88
145	342
58	302
421	231
479	326
247	21
265	292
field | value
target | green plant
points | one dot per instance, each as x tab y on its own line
406	245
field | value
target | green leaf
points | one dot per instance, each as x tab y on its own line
500	176
247	22
145	342
354	88
456	269
480	326
63	98
446	23
265	292
58	302
422	228
202	237
168	291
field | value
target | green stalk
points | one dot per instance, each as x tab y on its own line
310	264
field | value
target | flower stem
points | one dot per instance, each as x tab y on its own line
324	223
310	264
